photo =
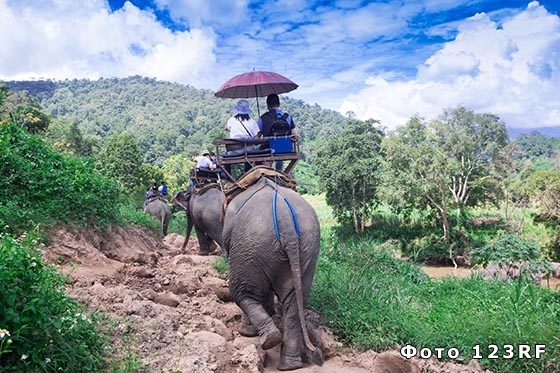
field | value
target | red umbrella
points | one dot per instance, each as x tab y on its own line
255	84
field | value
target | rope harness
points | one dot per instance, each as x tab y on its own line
275	216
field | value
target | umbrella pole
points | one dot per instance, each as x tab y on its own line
257	97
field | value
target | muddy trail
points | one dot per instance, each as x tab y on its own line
172	310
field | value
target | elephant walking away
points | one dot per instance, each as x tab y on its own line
204	213
271	235
158	207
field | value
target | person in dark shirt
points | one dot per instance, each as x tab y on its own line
273	114
275	117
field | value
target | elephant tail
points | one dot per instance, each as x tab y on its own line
293	251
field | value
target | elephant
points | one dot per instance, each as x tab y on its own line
271	235
204	212
158	207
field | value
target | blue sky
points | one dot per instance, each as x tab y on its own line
380	59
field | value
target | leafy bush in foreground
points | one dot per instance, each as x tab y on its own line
49	330
42	185
376	301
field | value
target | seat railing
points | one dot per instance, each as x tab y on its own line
256	151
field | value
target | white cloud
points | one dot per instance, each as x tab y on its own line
365	23
199	12
68	39
513	71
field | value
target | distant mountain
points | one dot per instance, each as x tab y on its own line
549	131
167	118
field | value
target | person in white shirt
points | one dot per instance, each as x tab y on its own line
204	162
241	126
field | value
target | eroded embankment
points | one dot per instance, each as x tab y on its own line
174	312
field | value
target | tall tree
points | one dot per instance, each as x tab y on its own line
451	162
348	166
121	160
176	171
68	138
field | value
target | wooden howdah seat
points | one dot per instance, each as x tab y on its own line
201	177
257	151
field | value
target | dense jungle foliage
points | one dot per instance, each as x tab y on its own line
166	118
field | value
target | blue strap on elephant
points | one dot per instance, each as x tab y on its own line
294	217
275	216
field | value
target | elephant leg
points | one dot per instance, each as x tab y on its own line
203	244
290	357
188	230
268	332
247	329
165	224
212	245
268	303
293	347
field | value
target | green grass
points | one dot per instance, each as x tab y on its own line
132	214
222	266
324	211
373	300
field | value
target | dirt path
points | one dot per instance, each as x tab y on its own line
172	309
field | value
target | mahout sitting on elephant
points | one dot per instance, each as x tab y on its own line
204	213
271	235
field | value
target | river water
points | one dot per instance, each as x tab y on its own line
461	272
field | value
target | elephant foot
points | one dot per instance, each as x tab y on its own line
248	330
271	339
203	253
289	362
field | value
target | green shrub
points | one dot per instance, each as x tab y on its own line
551	249
45	185
506	249
49	330
431	249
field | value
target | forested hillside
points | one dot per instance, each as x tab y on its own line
166	118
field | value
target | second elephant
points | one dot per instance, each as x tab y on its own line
204	213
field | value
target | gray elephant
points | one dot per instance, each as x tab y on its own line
271	235
158	207
204	213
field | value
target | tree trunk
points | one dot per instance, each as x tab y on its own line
445	224
355	211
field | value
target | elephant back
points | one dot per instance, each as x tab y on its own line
253	176
157	207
